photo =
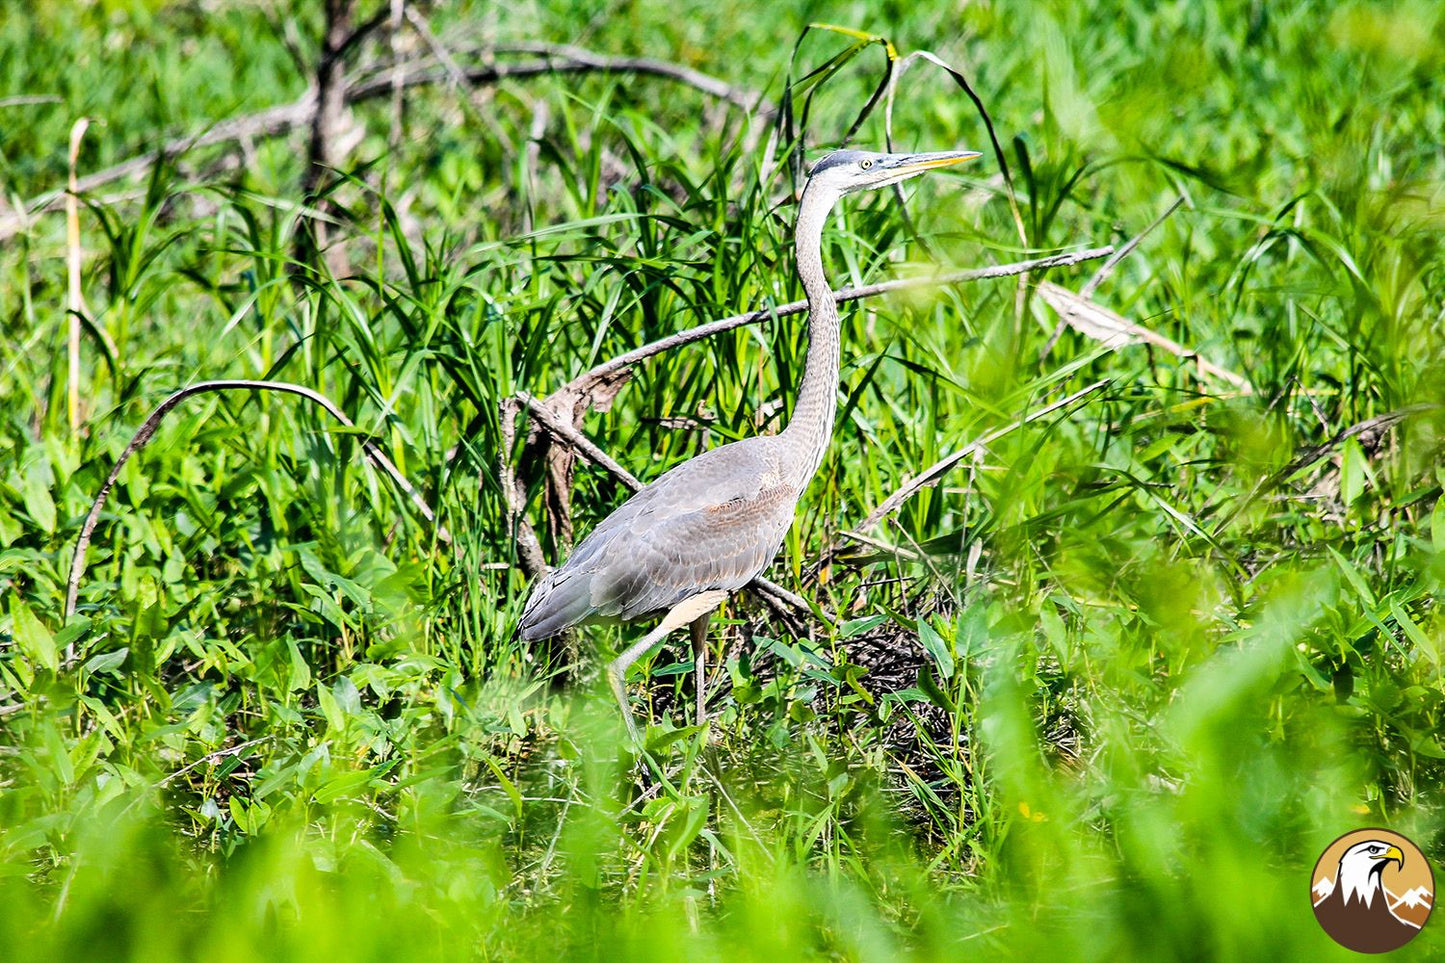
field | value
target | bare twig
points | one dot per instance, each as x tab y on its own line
214	757
265	123
559	428
1305	457
329	110
775	593
147	430
602	381
1375	426
934	472
329	141
529	548
882	546
29	100
564	58
459	78
541	115
1107	268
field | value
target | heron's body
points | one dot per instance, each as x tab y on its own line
712	524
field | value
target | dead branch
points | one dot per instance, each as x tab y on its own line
148	429
212	758
562	430
1370	429
332	132
266	123
328	116
30	100
565	58
474	96
514	496
398	105
1107	268
283	118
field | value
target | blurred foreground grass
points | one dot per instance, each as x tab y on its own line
1106	692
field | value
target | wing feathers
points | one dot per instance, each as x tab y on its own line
711	523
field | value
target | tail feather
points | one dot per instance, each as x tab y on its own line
560	601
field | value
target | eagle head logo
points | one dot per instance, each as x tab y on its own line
1368	894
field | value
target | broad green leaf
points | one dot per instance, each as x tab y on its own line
106	662
38	503
937	647
34	639
335	718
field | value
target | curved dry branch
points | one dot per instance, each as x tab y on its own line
1100	276
572	59
560	429
1370	428
1107	268
148	429
266	123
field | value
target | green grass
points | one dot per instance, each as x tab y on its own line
1126	675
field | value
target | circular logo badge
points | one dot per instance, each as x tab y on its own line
1372	890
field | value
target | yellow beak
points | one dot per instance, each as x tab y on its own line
928	162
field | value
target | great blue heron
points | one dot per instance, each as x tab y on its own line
710	525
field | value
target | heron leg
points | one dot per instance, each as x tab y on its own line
698	629
679	615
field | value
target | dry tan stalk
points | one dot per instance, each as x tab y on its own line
74	301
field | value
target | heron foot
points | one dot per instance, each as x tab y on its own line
619	689
697	628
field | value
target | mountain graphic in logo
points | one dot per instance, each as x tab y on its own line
1373	890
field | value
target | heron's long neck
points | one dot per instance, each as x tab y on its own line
811	426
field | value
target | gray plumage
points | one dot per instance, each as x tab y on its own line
714	523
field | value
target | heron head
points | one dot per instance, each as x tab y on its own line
846	171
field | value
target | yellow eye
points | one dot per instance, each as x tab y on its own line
865	164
